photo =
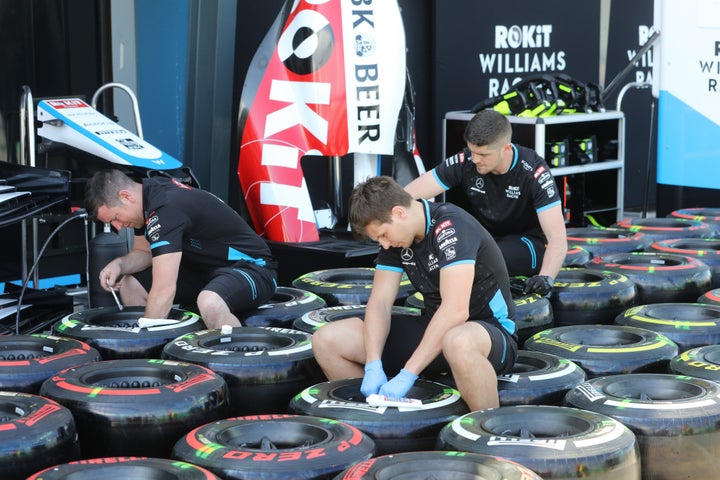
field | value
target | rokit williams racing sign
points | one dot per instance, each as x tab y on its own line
328	79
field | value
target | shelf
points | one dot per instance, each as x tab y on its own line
589	167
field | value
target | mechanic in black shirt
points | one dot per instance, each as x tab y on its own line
511	192
466	326
189	247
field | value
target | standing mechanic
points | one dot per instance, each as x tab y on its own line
511	192
466	325
199	249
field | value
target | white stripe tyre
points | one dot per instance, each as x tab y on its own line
707	250
689	325
607	349
664	228
539	378
675	419
600	241
576	256
35	433
700	362
264	367
437	466
392	429
555	442
311	321
116	335
284	307
659	277
121	468
274	447
26	361
137	407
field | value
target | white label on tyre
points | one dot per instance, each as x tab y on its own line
553	444
590	392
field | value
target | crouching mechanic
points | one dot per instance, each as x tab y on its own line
466	325
189	248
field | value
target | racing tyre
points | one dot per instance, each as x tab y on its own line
689	325
138	468
675	419
707	250
311	321
284	307
600	241
137	407
665	228
659	277
35	433
711	297
415	300
438	466
539	378
392	429
26	361
275	447
711	216
607	349
582	296
264	367
701	362
576	256
346	286
116	335
552	441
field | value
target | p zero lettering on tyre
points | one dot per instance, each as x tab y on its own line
275	446
284	307
137	407
707	250
664	228
116	335
26	361
553	441
392	429
311	321
125	468
675	419
701	362
607	349
600	241
264	367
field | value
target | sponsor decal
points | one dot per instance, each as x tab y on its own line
445	234
449	253
512	192
479	185
407	254
442	226
151	219
447	243
526	165
539	171
544	177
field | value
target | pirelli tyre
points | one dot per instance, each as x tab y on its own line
659	277
35	433
137	468
392	429
539	378
26	361
347	286
707	250
284	307
576	256
665	228
701	362
689	325
437	466
600	241
607	349
552	441
116	335
676	420
711	216
274	447
137	407
711	296
583	296
264	367
311	321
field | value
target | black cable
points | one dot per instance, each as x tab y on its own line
78	214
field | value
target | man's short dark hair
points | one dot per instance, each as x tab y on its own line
102	189
488	127
373	201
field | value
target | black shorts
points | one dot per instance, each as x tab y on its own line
406	331
523	254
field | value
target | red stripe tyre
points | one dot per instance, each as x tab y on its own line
707	250
700	362
576	256
553	441
137	407
659	277
710	216
346	286
607	349
284	307
539	378
275	447
689	325
311	321
675	419
116	335
712	297
264	367
600	241
26	361
438	465
392	429
35	433
664	228
121	468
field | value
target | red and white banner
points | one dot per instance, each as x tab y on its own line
327	80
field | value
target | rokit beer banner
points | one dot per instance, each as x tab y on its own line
327	80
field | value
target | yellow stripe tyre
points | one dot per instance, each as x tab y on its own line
665	228
607	349
707	250
600	241
125	468
284	307
700	362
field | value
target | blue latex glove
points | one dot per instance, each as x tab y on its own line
399	385
374	378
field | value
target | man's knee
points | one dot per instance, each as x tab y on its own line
464	341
